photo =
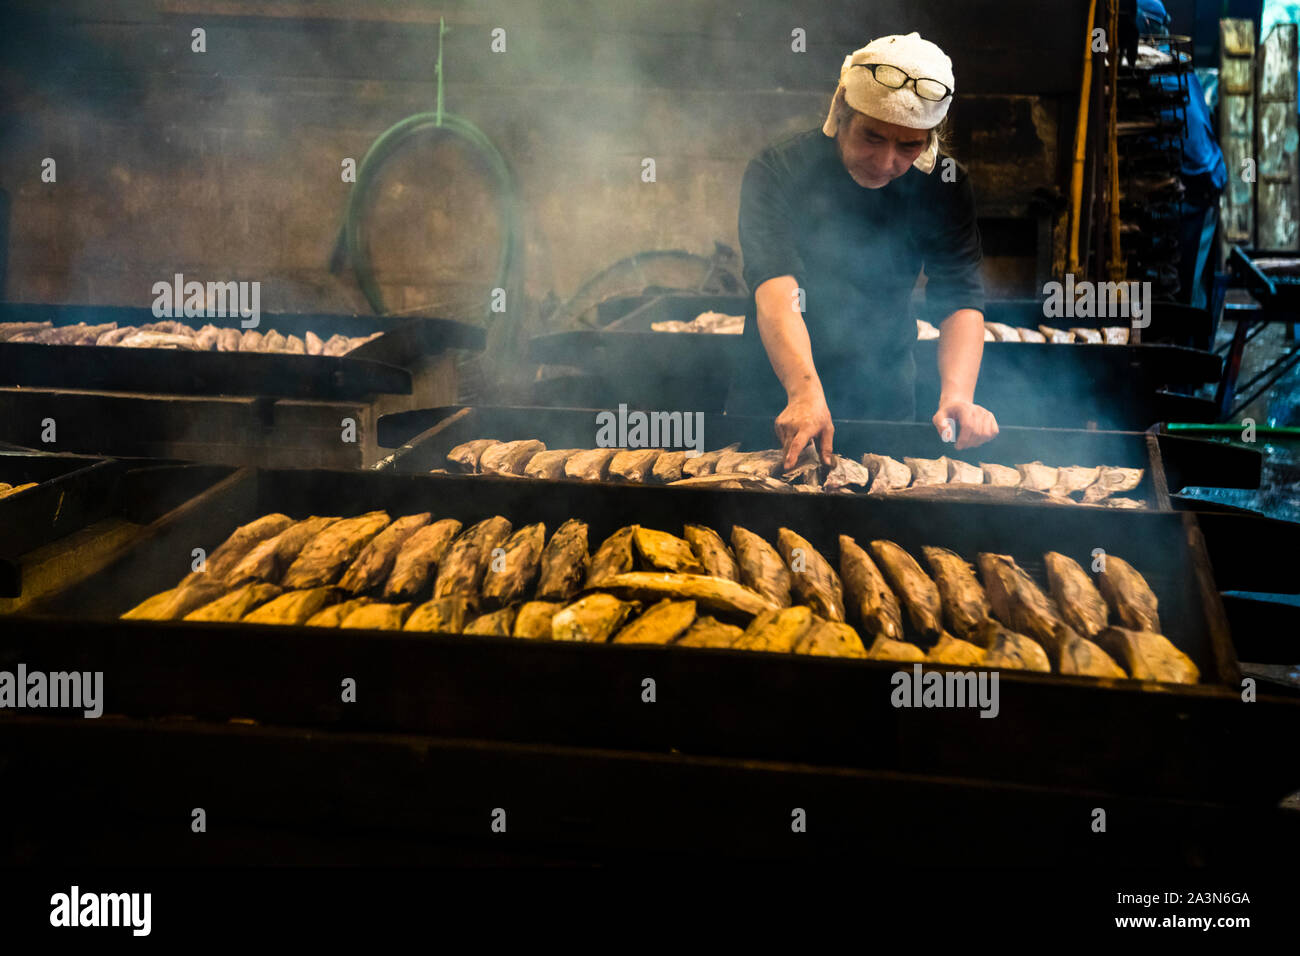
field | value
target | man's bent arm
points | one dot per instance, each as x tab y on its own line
785	337
961	348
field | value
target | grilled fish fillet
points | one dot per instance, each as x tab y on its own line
884	649
416	564
592	465
233	606
965	605
534	620
812	578
1000	475
1112	481
663	623
1080	656
462	568
846	473
498	623
661	551
777	631
867	595
377	617
447	615
323	559
466	455
761	567
635	465
830	639
706	463
668	466
1149	656
1007	649
510	457
564	562
716	594
886	473
294	607
614	556
1079	602
765	464
1037	476
962	473
268	560
1073	478
952	650
549	464
375	562
1129	596
712	552
709	632
336	614
1017	600
927	471
175	603
517	566
591	619
918	595
234	548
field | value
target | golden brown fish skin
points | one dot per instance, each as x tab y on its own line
710	632
323	559
336	614
292	607
1012	651
498	623
462	568
533	622
965	605
564	562
244	539
234	605
776	631
662	623
447	615
1080	603
867	593
761	567
174	603
668	466
465	457
590	465
1017	600
269	560
377	617
1081	657
510	457
712	552
831	639
614	556
661	551
1148	656
375	562
417	561
812	578
716	594
518	567
634	465
886	649
592	619
917	594
1130	598
952	650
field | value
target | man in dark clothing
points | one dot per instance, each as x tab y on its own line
835	227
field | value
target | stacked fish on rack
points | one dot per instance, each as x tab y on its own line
644	586
1001	332
169	334
947	478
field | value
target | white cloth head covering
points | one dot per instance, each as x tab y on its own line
915	57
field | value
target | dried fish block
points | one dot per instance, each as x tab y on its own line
270	558
564	562
661	624
1149	656
661	551
336	614
1000	475
323	558
927	471
498	623
761	567
592	619
511	573
715	594
712	552
918	595
831	639
375	562
466	456
635	465
533	621
416	564
812	578
592	465
614	556
446	615
777	631
710	632
377	617
1128	595
549	465
295	607
231	607
884	649
509	458
867	595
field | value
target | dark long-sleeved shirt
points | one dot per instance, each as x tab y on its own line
857	253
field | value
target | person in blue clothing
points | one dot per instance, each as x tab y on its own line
1204	173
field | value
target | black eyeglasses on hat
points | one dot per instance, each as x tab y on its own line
895	79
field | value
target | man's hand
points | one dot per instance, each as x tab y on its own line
805	418
974	424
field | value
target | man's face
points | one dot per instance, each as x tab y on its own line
876	153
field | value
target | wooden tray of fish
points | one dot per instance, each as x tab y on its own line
121	348
587	688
